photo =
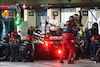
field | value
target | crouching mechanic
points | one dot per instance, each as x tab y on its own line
14	46
26	50
67	44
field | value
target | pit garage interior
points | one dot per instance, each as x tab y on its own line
26	39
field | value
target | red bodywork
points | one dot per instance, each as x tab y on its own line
95	36
4	7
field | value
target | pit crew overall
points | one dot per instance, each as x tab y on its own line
67	45
14	48
25	50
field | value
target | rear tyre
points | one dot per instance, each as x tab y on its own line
4	53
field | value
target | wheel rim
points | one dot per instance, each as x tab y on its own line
3	52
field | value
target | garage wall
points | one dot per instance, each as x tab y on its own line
65	1
47	1
61	1
82	1
29	1
66	13
25	1
84	18
97	13
31	19
50	14
98	19
20	1
2	2
41	1
53	1
10	2
95	0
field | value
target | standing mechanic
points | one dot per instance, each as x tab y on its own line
67	42
53	25
30	30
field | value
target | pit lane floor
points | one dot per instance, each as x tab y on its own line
50	63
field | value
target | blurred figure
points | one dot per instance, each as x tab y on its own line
67	42
87	39
30	30
53	25
15	42
74	19
26	50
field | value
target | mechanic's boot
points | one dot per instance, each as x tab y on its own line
71	62
11	60
61	61
24	60
93	59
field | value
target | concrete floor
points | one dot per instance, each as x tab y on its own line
50	63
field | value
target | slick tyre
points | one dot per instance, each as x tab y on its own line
4	53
